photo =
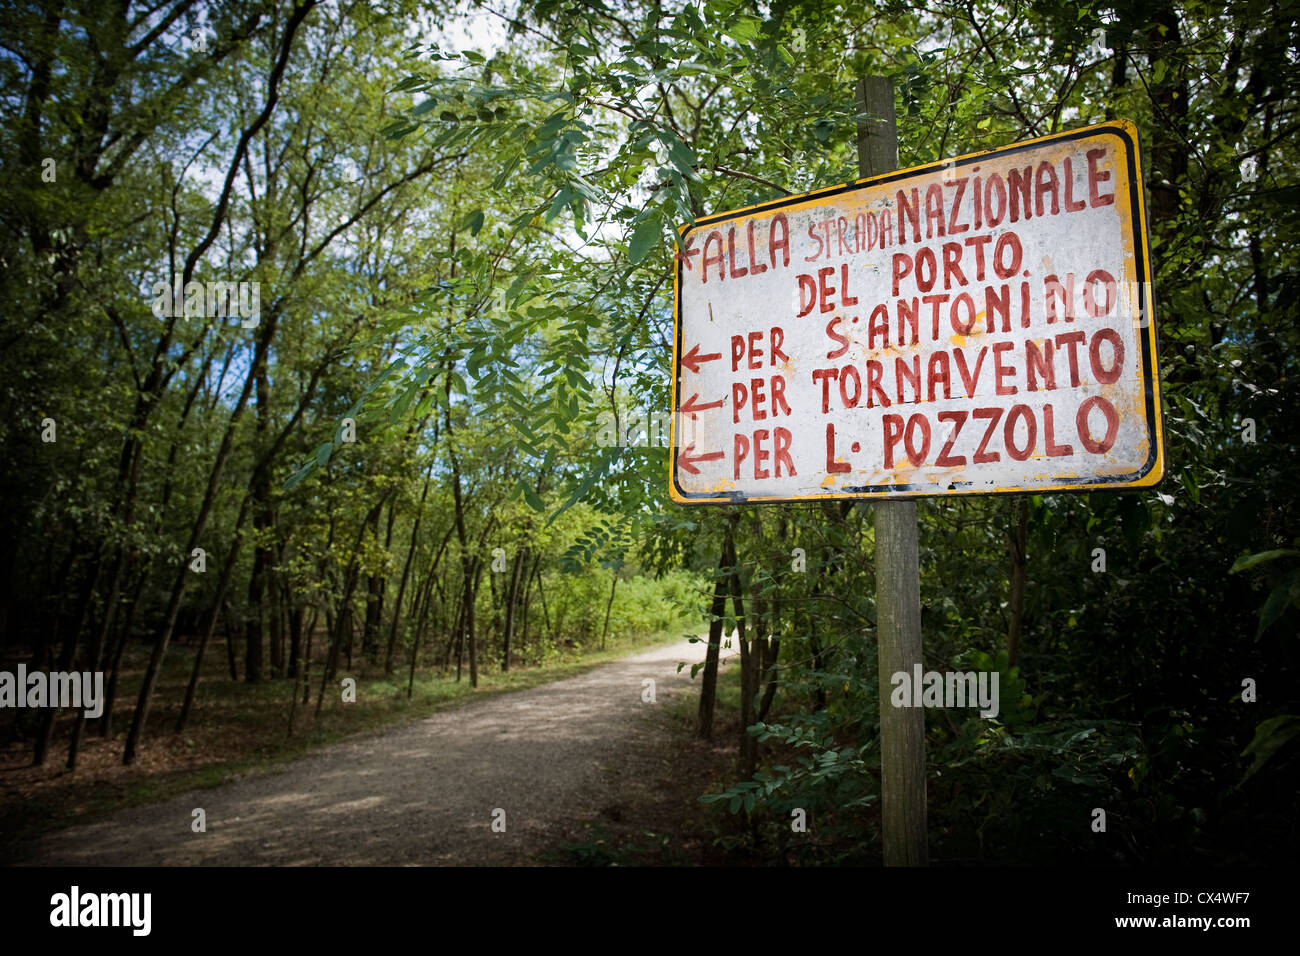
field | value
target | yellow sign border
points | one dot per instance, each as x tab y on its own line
1153	469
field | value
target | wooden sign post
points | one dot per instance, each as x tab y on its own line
898	577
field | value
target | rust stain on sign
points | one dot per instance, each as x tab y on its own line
974	326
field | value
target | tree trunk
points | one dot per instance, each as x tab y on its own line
546	615
48	718
277	630
819	665
609	606
103	640
263	522
462	623
349	631
306	657
227	570
293	703
493	602
529	576
110	693
406	571
228	616
376	584
94	661
771	653
469	618
415	653
512	597
344	621
422	604
295	640
748	752
422	601
1020	515
709	685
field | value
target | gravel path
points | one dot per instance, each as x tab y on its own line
424	793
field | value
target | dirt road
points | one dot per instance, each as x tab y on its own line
424	793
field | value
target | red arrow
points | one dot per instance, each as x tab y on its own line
684	458
692	406
693	359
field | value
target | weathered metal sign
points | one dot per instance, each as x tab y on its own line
973	326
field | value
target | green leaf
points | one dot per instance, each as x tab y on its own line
530	496
398	129
323	453
597	473
744	30
1270	736
551	127
410	82
559	203
1281	596
401	406
473	222
1250	560
300	474
644	238
680	155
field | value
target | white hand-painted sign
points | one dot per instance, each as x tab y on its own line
979	325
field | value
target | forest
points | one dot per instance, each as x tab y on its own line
336	344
